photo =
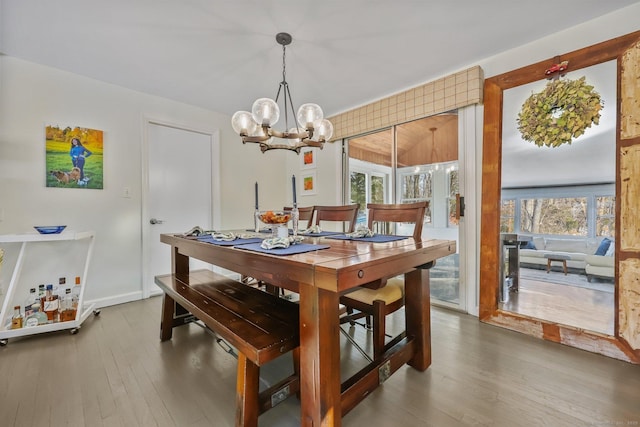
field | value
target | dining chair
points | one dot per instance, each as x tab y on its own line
304	214
340	213
376	304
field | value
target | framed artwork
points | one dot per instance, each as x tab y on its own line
309	183
74	157
307	158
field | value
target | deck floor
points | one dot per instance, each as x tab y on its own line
569	300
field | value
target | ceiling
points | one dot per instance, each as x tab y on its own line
222	55
420	142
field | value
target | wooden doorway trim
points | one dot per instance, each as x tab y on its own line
625	343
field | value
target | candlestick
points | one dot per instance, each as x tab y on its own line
293	183
256	195
295	217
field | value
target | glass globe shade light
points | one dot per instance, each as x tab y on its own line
309	114
242	122
324	130
265	112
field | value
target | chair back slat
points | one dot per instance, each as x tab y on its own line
397	213
344	213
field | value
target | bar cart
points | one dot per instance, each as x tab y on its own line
27	240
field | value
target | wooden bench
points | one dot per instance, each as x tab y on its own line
259	325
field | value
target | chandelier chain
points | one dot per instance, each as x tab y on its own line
284	64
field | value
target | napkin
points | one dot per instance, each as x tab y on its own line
311	230
280	242
228	237
361	231
195	231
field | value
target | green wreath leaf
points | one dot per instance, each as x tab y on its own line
559	113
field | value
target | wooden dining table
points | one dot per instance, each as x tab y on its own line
320	277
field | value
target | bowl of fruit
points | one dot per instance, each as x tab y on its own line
274	217
276	221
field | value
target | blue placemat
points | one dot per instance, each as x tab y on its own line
378	238
291	250
235	242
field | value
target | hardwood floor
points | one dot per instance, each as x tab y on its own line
587	309
116	372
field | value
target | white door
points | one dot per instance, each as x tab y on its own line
182	192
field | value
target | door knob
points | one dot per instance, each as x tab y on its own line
155	221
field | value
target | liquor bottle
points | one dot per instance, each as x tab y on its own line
16	320
50	304
67	312
75	294
61	303
41	292
36	318
29	302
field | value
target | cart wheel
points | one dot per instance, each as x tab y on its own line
3	342
96	312
74	331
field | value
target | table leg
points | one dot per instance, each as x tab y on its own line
319	357
564	266
179	263
548	265
418	316
166	321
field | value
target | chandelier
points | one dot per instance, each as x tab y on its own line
311	129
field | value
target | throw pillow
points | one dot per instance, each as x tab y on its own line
604	246
528	245
611	251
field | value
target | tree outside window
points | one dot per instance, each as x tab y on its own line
454	189
377	189
358	184
606	216
567	216
507	215
418	187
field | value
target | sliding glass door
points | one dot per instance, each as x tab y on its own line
412	162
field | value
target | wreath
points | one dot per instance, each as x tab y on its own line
559	113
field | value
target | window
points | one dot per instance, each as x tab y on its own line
567	216
377	189
578	210
454	190
507	216
417	187
358	191
367	186
605	216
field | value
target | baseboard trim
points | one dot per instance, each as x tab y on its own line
116	299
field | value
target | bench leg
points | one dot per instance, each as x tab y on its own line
247	388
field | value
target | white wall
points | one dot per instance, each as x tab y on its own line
328	175
32	96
